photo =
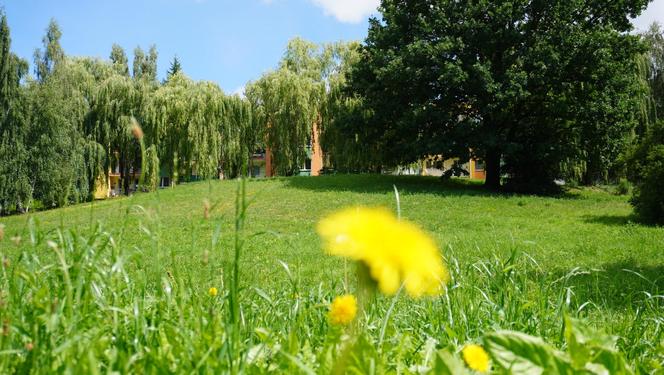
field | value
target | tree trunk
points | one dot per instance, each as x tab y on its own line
124	172
125	180
492	165
123	176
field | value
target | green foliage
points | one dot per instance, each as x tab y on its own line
241	133
646	171
525	89
175	68
199	125
652	69
66	131
15	183
588	352
150	170
119	60
307	90
145	66
287	104
58	108
344	137
47	60
624	187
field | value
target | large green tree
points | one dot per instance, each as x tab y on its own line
15	187
504	81
347	140
287	101
303	91
197	128
46	60
653	71
175	68
119	60
645	164
145	66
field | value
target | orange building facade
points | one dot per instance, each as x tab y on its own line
314	163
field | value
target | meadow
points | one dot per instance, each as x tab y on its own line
124	285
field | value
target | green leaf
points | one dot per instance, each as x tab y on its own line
447	364
522	354
589	348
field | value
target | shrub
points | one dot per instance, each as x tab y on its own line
646	171
623	187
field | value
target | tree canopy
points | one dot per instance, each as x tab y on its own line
540	90
513	82
303	91
66	131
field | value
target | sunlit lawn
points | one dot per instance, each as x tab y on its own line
579	250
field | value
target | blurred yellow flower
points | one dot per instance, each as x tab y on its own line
395	251
213	292
476	358
343	310
136	130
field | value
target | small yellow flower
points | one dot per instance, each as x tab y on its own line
394	251
213	292
476	358
343	310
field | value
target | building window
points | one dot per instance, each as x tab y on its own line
479	165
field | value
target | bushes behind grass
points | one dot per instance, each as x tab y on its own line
646	171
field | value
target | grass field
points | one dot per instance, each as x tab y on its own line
123	284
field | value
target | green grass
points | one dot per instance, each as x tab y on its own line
133	294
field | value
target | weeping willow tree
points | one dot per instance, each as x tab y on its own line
306	89
119	100
66	160
349	146
240	135
288	112
204	139
181	118
68	129
651	71
150	176
197	129
15	188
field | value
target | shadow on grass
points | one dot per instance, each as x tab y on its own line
619	285
384	184
617	220
612	220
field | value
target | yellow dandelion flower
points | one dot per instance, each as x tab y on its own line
394	251
343	310
213	292
476	358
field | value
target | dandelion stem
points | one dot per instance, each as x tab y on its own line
397	197
387	316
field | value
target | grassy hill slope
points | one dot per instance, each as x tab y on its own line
517	260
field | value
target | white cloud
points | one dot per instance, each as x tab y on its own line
239	91
655	12
351	11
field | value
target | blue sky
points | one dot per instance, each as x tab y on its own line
227	41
